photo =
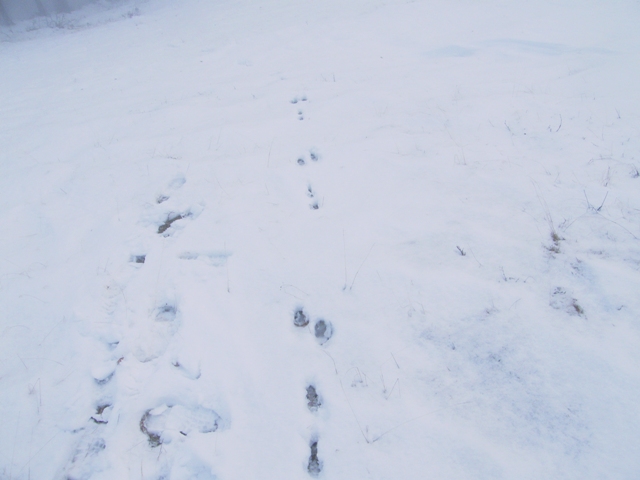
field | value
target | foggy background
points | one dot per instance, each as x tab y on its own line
12	11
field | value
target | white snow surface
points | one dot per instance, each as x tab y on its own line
452	186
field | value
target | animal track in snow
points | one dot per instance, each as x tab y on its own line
169	222
295	100
314	205
300	318
177	182
313	399
138	258
103	371
171	218
323	331
314	156
166	313
103	412
315	464
166	423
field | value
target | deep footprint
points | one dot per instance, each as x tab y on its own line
300	319
313	400
315	465
171	218
323	331
138	258
165	422
167	313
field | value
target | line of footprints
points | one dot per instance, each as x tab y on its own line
313	156
171	418
323	331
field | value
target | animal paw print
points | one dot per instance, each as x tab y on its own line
314	205
314	466
314	156
322	330
295	100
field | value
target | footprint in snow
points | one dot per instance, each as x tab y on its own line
171	218
168	423
313	399
314	466
295	100
314	205
153	341
174	184
300	318
314	156
169	222
138	259
323	331
85	457
102	413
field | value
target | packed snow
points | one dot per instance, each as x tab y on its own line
354	239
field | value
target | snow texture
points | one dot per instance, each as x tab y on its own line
351	240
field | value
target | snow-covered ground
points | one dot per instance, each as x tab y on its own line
452	186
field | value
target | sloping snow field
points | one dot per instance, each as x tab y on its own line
355	239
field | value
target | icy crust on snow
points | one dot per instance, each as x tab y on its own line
339	240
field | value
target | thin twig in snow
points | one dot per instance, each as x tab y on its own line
354	413
392	388
344	247
412	419
332	359
358	271
269	156
394	359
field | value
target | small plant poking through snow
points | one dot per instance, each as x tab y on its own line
555	245
560	300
